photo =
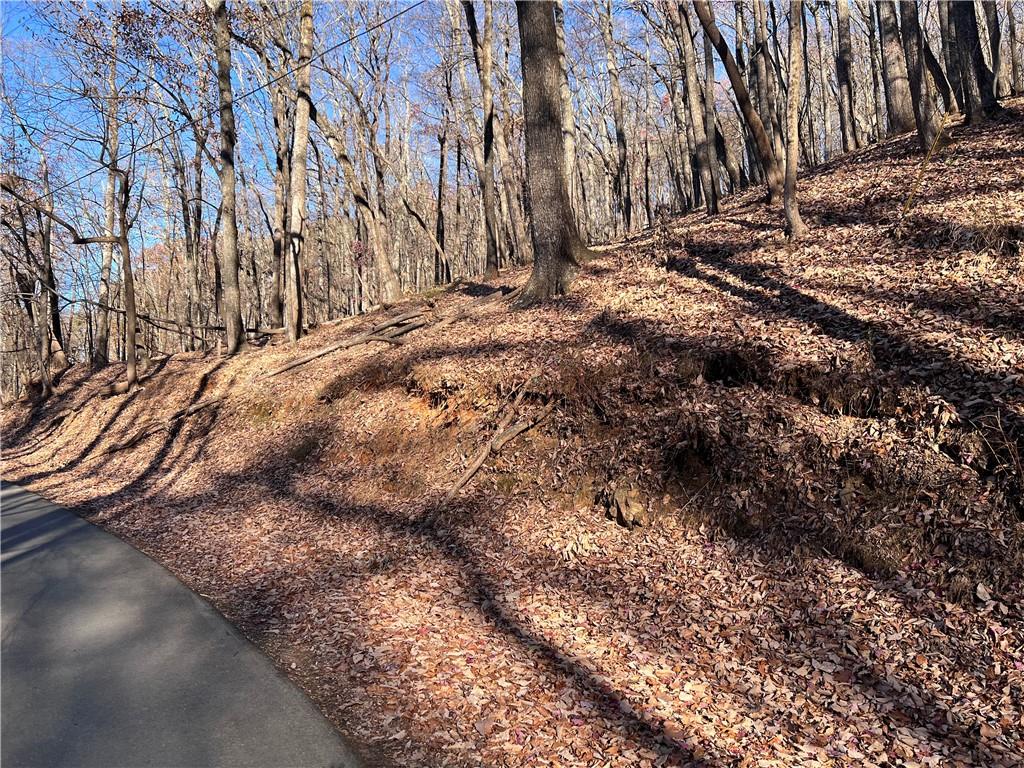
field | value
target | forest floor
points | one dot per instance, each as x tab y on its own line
823	441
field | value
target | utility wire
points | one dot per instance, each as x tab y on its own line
245	95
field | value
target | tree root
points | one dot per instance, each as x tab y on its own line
389	331
399	326
504	433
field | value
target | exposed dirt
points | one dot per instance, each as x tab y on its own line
827	437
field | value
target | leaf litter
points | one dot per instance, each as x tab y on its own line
819	446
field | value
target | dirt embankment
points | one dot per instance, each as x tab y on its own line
773	511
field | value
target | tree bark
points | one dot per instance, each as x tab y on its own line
708	91
568	118
766	78
795	224
442	269
300	148
101	354
900	103
926	114
482	56
995	39
950	55
231	307
868	13
976	80
1016	70
847	107
557	249
823	84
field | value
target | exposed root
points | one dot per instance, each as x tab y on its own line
505	432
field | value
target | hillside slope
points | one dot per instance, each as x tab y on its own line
822	441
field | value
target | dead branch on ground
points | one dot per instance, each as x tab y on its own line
504	433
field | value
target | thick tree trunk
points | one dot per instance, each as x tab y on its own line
300	148
926	114
557	249
950	55
766	157
794	223
976	80
231	308
900	103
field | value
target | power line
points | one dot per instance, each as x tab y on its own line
247	94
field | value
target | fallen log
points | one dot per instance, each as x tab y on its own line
373	334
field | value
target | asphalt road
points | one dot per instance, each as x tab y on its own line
109	661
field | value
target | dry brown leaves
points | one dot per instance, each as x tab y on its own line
827	430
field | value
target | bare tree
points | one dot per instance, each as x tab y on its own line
483	53
925	111
557	248
795	224
231	308
766	156
900	103
300	146
622	188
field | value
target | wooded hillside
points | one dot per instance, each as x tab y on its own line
763	507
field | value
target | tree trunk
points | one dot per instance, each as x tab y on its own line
898	99
557	249
442	269
847	107
876	88
1016	70
101	354
482	56
231	309
300	148
795	225
823	85
995	39
976	79
937	74
769	162
926	114
623	192
767	78
950	55
568	119
684	39
709	106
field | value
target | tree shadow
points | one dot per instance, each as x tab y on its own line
976	393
